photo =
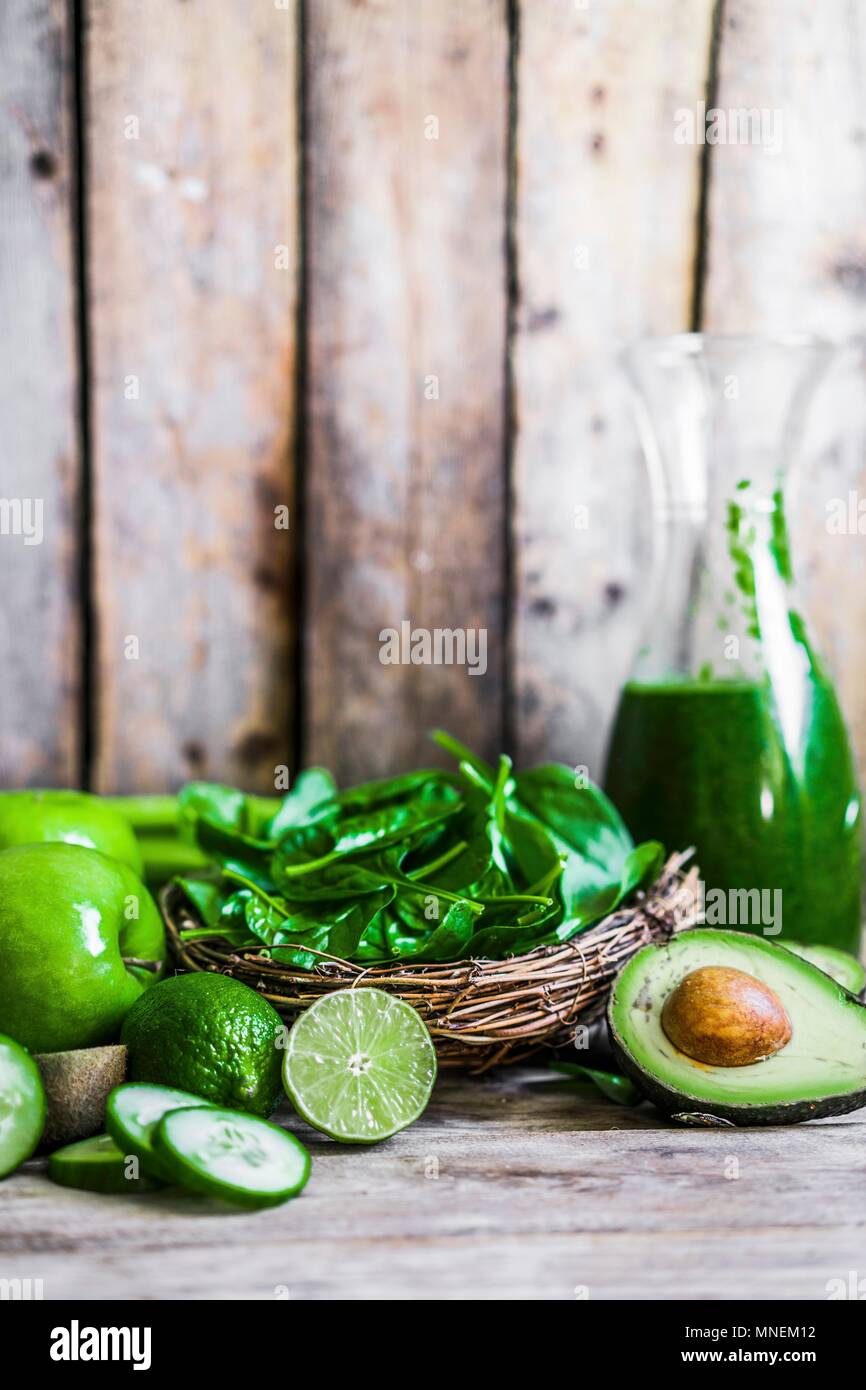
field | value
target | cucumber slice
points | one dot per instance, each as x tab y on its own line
133	1112
232	1155
22	1105
98	1165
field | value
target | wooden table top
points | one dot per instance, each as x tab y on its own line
510	1186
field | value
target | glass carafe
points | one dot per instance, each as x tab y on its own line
728	735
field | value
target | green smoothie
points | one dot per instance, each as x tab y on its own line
704	763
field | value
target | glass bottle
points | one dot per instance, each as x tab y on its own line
728	735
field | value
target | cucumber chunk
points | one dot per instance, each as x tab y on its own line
98	1165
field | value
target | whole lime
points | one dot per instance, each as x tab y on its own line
208	1034
77	818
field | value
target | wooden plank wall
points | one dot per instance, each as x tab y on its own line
365	266
192	280
406	223
606	224
40	464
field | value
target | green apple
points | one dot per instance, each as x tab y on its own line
72	922
31	817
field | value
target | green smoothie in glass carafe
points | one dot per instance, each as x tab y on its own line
730	737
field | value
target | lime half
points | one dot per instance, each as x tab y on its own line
359	1065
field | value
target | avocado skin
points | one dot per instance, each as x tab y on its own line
671	1102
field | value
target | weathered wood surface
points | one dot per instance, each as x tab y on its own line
40	463
787	250
407	112
508	1187
606	234
192	253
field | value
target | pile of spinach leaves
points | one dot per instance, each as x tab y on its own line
426	866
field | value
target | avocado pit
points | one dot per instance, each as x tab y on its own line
725	1018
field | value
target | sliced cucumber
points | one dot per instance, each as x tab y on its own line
133	1112
22	1105
232	1155
98	1165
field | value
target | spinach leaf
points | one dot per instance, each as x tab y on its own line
462	754
496	831
582	817
471	861
304	847
449	937
611	1084
221	821
206	892
408	785
586	829
641	866
220	909
393	824
387	939
307	847
333	878
532	852
230	846
334	928
223	806
390	938
388	865
312	787
495	943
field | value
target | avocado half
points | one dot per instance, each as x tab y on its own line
820	1071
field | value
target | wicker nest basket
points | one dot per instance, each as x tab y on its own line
480	1013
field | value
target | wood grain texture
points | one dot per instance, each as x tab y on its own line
406	351
787	250
605	231
510	1186
40	690
192	254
